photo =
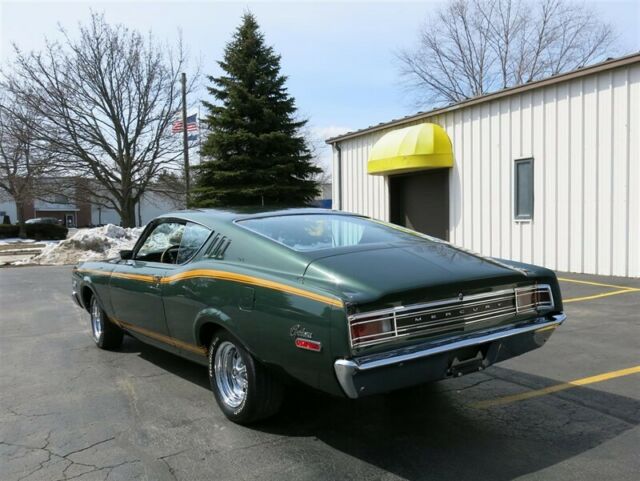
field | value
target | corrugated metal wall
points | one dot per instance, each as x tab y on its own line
584	136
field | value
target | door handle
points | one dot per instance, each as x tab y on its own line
157	280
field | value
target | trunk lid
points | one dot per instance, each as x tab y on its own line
427	290
396	275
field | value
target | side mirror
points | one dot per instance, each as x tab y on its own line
126	255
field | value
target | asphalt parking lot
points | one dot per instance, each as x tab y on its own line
570	410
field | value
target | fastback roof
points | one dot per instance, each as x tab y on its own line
209	217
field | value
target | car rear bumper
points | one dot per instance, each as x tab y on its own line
432	361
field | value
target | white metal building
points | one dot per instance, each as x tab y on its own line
546	173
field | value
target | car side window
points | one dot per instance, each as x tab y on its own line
193	238
157	246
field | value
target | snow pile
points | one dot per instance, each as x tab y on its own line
94	244
162	237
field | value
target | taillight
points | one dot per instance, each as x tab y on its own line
543	297
447	316
366	330
533	298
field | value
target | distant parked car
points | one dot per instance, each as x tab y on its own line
44	220
346	304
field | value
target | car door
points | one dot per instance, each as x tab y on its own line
184	295
136	287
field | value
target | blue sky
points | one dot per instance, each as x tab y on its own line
339	56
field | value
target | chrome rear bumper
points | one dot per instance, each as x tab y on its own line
425	362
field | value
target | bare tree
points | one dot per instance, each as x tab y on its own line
106	101
319	149
22	161
170	185
472	47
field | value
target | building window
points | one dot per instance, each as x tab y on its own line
523	186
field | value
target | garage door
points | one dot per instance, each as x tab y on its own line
420	201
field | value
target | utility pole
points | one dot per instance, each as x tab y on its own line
185	139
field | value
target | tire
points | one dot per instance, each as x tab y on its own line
247	398
105	333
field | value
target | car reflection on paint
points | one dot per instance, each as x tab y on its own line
345	304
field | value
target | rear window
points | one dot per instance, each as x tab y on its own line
313	232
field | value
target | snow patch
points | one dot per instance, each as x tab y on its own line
95	244
14	240
18	240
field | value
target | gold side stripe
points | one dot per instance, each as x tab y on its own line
120	275
93	271
161	337
135	277
255	281
227	276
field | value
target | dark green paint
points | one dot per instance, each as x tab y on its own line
364	277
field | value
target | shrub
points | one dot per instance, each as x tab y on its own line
35	231
46	231
8	230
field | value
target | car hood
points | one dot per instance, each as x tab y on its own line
402	274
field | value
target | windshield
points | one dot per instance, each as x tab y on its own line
312	232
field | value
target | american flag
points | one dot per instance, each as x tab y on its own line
192	125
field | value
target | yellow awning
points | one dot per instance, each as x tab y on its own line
419	147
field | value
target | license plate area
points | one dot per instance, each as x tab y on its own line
468	360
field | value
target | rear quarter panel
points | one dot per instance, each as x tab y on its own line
260	309
542	275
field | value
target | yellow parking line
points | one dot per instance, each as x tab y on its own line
555	388
597	296
599	284
620	290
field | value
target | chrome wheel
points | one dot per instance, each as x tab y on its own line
96	320
231	375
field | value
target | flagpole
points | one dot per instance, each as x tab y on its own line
185	139
199	139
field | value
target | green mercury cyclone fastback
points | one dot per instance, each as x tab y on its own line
337	301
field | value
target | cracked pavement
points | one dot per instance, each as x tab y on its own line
71	411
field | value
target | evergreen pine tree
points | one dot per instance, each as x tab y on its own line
256	154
